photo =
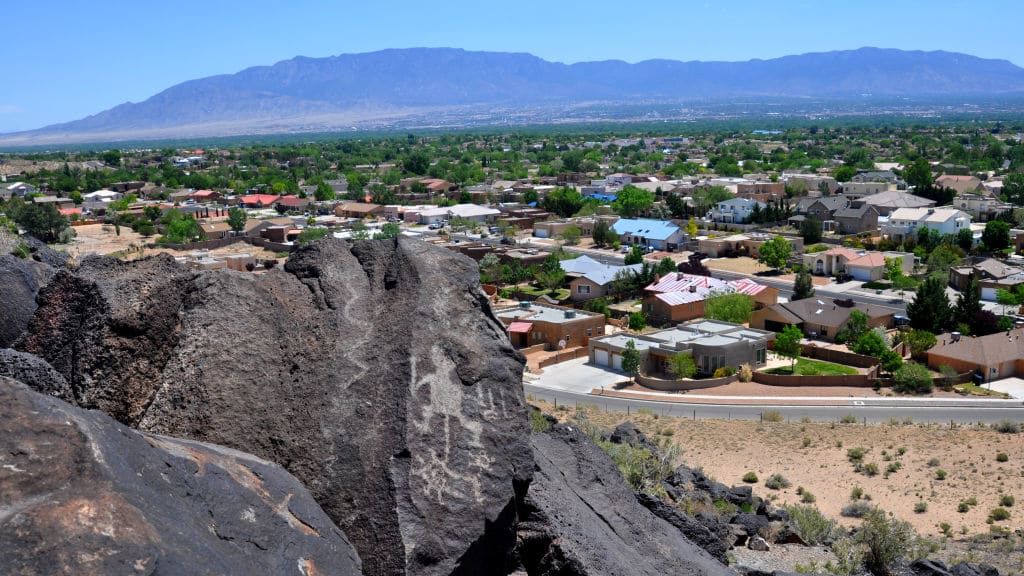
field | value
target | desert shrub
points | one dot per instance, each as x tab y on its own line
855	454
1006	500
1007	427
856	493
848	419
777	482
725	508
972	501
772	416
643	469
857	509
933	462
999	514
539	422
886	541
811	524
750	478
946	528
963	507
806	442
746	373
849	558
870	469
807	497
1002	457
892	468
724	371
920	507
912	378
940	474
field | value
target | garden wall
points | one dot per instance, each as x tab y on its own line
580	352
857	380
683	384
839	356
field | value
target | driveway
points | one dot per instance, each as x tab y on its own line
1012	386
575	376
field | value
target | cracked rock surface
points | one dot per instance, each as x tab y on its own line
375	373
82	494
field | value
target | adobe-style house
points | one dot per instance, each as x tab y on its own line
743	244
205	196
861	265
215	230
677	297
713	344
555	327
589	279
999	355
962	184
819	318
358	210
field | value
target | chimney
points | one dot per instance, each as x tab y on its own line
693	288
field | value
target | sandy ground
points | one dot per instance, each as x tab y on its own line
102	239
729	449
746	265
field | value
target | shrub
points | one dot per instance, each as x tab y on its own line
848	419
1006	500
771	416
871	469
1007	427
972	501
746	373
963	507
856	493
750	478
807	497
892	468
857	509
946	529
920	507
940	474
1002	457
643	469
999	514
933	462
855	454
912	378
724	371
812	526
538	421
886	541
806	442
777	482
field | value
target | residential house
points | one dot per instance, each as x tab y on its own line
589	279
861	189
908	222
999	355
555	228
862	265
734	210
981	207
992	275
101	196
465	211
215	230
761	191
743	244
338	185
677	297
58	202
819	318
711	343
657	234
962	184
258	200
358	210
850	220
205	196
178	196
554	327
887	202
20	189
887	176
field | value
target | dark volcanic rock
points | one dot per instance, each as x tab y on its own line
581	518
81	494
374	373
628	433
714	537
34	372
929	568
20	280
973	569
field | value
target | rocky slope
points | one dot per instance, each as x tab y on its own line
20	280
81	494
374	373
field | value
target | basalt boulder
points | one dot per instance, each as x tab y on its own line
374	372
581	518
82	494
33	371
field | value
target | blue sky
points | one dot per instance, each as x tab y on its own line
65	60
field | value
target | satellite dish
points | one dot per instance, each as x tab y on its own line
561	344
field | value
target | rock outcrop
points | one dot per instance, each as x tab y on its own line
82	494
374	373
20	280
581	518
34	372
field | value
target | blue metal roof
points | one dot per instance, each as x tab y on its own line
645	228
604	197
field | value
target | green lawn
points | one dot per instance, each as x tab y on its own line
536	291
808	367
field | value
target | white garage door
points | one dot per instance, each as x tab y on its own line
601	357
617	361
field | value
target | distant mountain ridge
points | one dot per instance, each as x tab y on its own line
305	94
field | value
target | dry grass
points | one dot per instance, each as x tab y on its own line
814	456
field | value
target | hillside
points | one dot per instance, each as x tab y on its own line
379	88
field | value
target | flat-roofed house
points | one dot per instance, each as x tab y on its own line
530	324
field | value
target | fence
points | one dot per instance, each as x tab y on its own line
853	380
680	385
564	357
222	242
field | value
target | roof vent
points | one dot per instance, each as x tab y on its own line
525	305
955	337
570	313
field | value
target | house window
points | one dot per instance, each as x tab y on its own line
582	289
590	331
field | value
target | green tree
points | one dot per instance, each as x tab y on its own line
691	227
637	321
563	201
930	309
490	268
942	259
968	304
728	307
387	231
787	344
416	162
571	235
550	279
1013	188
665	266
810	230
42	221
237	218
870	343
632	201
324	192
635	256
183	230
311	234
603	235
919	175
774	253
855	327
631	359
844	173
682	365
912	378
803	285
965	239
920	341
996	235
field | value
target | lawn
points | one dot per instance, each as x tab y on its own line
536	291
972	389
808	367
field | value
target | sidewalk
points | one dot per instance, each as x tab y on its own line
687	398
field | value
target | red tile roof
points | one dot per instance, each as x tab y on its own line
520	327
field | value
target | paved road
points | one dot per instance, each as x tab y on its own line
871	411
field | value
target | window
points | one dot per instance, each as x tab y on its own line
582	289
567	336
590	331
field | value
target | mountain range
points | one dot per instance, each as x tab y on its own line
379	89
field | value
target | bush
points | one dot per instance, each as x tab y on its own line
871	469
999	514
643	469
933	462
857	509
963	507
807	497
1007	427
777	482
848	419
746	373
771	416
855	454
1006	500
538	421
920	507
912	378
724	371
940	474
856	493
812	526
750	478
1002	457
886	541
